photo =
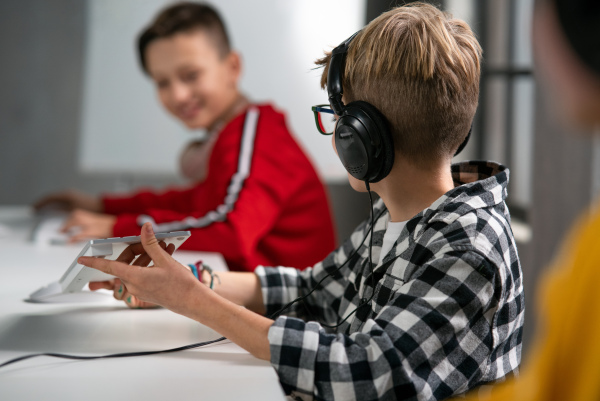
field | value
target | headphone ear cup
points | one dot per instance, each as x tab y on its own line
381	156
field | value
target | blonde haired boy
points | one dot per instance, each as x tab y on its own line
440	310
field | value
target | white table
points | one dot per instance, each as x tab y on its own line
101	325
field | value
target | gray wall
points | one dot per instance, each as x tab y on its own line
40	75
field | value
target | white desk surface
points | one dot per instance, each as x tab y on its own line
101	325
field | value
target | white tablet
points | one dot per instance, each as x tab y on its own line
78	275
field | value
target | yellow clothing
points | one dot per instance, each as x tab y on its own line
565	362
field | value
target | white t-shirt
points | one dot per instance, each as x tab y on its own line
389	238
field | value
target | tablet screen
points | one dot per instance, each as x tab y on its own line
78	275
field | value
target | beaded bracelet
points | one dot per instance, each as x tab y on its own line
195	271
198	268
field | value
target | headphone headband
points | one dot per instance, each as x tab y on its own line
334	75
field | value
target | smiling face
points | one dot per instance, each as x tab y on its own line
195	83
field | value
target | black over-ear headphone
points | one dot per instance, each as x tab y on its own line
363	139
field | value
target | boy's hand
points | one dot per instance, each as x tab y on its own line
84	225
120	293
70	200
168	283
118	288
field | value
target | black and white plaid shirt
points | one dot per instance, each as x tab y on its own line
447	312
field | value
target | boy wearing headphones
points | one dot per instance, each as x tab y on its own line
257	198
425	299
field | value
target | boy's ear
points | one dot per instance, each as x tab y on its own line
234	63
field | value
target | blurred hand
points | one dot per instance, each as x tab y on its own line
83	225
70	200
168	283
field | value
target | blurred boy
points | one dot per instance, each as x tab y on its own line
425	299
257	199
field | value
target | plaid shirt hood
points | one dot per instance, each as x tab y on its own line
447	306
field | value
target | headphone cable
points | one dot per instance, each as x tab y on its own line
371	230
367	302
119	355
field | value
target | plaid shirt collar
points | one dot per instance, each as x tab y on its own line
478	184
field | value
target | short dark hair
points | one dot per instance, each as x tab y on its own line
184	17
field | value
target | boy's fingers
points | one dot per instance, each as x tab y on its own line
152	246
143	260
170	249
129	254
106	285
131	301
118	289
117	269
